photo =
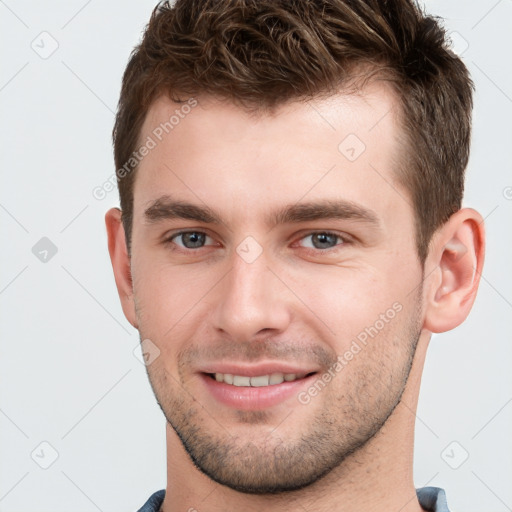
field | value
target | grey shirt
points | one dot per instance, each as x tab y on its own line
432	499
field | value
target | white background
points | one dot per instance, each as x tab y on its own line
68	373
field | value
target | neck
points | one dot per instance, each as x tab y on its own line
378	476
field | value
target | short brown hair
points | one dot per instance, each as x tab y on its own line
260	54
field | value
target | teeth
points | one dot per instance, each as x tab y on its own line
258	381
241	381
262	380
276	378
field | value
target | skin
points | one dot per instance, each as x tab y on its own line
299	301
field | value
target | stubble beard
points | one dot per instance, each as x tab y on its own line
269	464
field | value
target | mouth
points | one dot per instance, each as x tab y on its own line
256	392
257	381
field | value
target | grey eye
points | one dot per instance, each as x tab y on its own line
191	239
322	240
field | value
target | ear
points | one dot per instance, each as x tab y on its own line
456	256
121	263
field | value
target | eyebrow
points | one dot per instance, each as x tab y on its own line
167	208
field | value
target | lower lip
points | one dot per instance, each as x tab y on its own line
248	398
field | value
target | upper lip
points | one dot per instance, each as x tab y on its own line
248	370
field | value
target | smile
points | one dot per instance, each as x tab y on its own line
257	381
255	392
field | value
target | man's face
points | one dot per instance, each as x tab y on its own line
305	264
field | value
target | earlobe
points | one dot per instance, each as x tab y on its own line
457	256
121	263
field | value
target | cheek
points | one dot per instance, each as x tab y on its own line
345	299
168	297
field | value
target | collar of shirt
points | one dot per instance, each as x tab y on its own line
432	499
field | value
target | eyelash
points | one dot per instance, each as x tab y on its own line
345	240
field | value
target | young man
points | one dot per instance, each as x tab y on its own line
290	236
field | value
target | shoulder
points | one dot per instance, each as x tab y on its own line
432	499
154	502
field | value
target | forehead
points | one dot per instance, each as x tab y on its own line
359	111
212	151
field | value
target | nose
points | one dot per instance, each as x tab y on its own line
252	301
